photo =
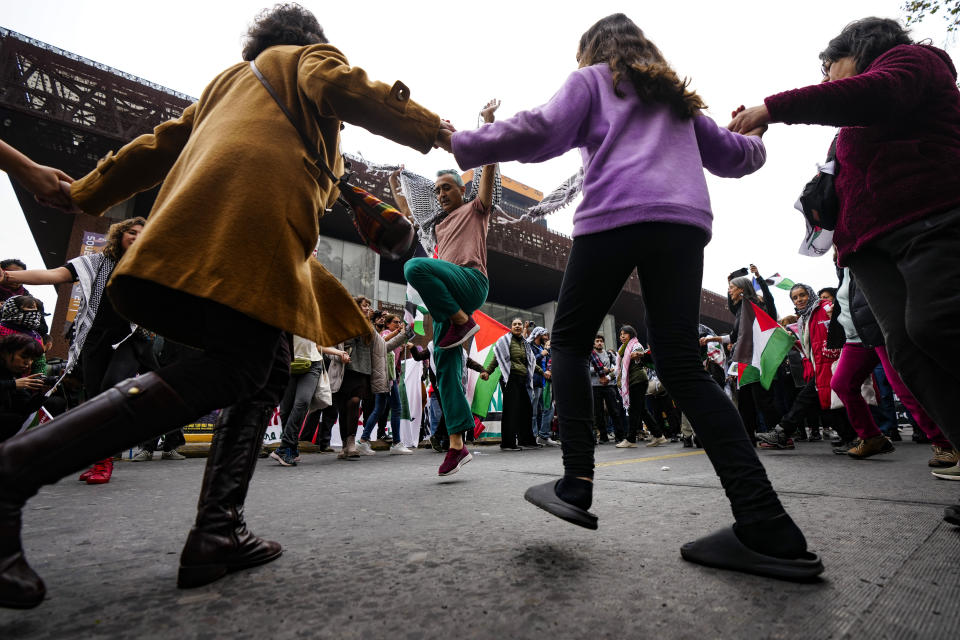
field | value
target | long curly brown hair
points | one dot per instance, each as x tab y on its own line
114	248
619	42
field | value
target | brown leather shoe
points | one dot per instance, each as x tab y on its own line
871	447
943	457
131	412
220	542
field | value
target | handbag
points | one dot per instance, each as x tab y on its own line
818	201
300	366
381	227
322	395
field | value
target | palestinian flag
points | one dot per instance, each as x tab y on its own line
761	347
413	311
482	393
780	282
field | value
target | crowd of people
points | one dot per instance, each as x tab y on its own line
286	331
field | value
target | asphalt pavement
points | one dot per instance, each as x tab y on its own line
383	548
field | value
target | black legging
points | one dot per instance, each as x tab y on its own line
806	406
672	304
753	398
517	420
638	413
355	387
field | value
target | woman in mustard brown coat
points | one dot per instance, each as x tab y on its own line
226	266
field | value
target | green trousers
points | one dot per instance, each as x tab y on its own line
446	288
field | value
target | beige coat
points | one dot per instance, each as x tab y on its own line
236	219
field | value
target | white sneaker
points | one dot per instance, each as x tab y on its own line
399	448
364	448
547	442
626	444
172	455
656	442
143	456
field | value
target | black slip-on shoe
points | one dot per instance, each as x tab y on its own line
952	514
545	496
723	550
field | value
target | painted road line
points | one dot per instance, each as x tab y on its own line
666	457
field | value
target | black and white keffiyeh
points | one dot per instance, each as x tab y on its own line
418	190
427	213
93	273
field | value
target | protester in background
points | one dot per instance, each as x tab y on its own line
364	374
752	398
631	381
22	314
814	399
21	392
392	326
98	326
8	290
542	388
603	370
518	366
296	399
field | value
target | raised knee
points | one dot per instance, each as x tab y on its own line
413	269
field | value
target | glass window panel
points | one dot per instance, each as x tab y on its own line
359	269
330	255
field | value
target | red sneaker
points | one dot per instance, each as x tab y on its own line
455	459
457	334
101	472
86	474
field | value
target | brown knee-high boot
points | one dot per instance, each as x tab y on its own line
219	541
131	412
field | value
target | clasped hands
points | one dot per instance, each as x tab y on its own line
750	122
445	134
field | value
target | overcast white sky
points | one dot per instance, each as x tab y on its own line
455	56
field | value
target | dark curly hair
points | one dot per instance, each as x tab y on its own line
866	40
619	42
114	246
283	24
17	342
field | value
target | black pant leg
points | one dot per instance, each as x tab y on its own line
673	309
241	359
805	406
590	286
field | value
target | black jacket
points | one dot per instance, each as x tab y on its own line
868	330
16	405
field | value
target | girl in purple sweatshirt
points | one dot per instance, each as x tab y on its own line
644	144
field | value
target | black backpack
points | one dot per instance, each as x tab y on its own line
819	200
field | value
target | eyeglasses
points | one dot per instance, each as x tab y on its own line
825	68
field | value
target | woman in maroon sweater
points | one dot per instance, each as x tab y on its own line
898	229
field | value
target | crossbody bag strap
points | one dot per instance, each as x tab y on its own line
303	136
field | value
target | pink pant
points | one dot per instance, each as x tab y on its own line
856	363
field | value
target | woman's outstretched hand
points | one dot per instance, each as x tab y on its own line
487	112
750	122
445	136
